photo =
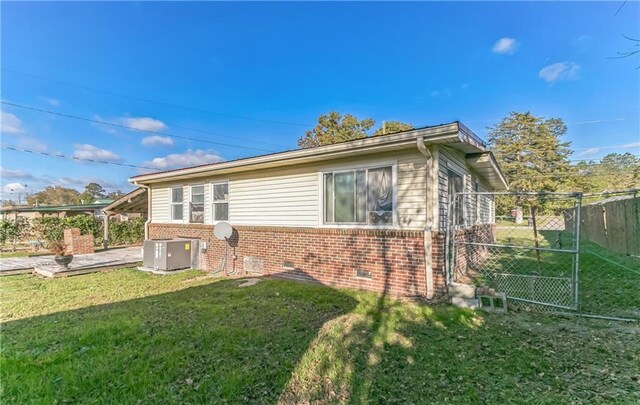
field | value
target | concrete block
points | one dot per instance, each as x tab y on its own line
494	303
462	290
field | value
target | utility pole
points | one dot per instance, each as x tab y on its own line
384	127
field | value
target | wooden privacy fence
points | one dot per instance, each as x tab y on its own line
613	223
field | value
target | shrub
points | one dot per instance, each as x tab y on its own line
14	230
120	232
126	232
50	229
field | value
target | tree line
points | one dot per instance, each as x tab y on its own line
58	195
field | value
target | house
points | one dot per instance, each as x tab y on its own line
367	214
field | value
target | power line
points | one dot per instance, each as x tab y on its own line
620	8
132	128
162	103
62	156
228	136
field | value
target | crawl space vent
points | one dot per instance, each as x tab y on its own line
288	265
363	274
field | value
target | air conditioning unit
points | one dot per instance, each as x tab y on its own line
171	254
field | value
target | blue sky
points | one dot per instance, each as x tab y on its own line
257	75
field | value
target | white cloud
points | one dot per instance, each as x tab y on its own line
80	182
589	152
87	151
188	158
505	46
18	178
10	124
559	71
13	188
33	144
157	140
446	92
14	174
619	148
143	123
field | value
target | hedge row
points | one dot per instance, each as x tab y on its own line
120	232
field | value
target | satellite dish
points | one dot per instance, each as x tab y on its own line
222	230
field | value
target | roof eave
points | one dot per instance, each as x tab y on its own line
447	133
485	164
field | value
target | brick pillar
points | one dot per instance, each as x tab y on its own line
78	244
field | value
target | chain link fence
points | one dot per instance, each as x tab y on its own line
561	252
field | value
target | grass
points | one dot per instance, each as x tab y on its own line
22	253
129	337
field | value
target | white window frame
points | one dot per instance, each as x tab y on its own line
351	168
213	201
204	203
171	204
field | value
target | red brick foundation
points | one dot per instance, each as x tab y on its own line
78	244
395	259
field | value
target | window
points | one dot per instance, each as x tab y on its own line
362	196
177	212
456	185
220	200
196	205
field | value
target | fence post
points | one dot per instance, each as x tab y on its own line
576	302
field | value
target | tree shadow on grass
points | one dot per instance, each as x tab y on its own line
412	353
387	350
345	361
211	343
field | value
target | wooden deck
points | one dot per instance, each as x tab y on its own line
81	264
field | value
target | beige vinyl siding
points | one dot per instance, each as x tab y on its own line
292	196
279	198
412	191
160	204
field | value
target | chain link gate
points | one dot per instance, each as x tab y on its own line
525	245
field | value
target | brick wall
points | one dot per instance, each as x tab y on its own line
78	244
394	258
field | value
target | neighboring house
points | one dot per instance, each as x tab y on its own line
32	212
366	214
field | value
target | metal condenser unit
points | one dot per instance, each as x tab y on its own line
168	254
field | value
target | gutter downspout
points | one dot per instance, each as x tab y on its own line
427	232
148	221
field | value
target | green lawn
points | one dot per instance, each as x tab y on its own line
130	337
22	253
